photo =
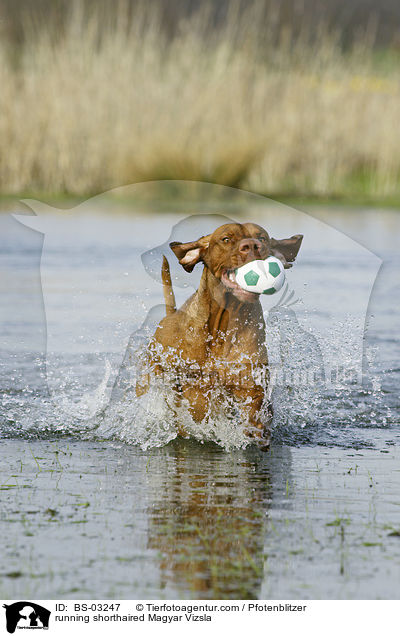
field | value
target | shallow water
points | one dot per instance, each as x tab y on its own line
107	520
100	500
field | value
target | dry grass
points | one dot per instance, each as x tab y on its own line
97	107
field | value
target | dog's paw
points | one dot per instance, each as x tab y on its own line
264	443
260	435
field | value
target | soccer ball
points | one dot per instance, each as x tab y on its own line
261	277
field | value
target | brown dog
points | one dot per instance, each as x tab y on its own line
215	343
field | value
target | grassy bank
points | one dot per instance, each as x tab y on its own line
101	104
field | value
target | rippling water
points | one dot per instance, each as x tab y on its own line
68	326
333	361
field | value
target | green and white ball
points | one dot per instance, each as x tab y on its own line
261	277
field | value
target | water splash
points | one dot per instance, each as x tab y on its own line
309	406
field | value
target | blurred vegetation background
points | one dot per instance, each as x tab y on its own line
283	97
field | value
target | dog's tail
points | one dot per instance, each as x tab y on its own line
169	295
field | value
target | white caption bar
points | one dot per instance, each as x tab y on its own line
148	617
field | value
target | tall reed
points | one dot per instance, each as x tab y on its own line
99	104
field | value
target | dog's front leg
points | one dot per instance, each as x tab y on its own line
198	401
258	414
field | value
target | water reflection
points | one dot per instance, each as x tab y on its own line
208	516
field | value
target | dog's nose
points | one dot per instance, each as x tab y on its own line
250	248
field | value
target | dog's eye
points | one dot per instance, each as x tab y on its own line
226	239
262	238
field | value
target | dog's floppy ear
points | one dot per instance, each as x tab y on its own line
286	249
189	254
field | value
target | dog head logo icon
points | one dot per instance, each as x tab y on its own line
27	615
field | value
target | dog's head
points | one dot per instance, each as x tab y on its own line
231	246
